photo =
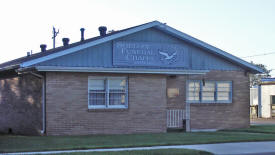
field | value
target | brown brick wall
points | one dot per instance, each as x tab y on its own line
67	110
176	82
20	105
215	116
67	106
224	115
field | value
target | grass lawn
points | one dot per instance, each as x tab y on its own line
15	143
150	152
257	129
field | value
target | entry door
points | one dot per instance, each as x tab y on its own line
272	106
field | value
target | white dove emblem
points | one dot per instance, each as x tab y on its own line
167	57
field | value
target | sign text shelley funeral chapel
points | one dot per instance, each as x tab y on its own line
149	54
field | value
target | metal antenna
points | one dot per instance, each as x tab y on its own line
54	35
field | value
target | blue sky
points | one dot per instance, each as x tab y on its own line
240	27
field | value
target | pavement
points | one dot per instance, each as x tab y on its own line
262	121
240	148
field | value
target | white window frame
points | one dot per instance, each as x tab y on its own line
230	91
107	92
215	93
187	90
201	91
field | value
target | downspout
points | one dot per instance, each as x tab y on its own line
259	101
187	110
43	131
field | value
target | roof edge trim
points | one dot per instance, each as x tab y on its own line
119	70
9	67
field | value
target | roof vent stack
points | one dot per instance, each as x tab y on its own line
43	47
65	41
82	34
102	30
28	54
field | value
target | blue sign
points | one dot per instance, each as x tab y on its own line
149	54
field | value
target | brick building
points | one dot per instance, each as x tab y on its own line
146	78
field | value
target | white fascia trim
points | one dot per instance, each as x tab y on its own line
185	36
119	70
89	44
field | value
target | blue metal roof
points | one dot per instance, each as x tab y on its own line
102	55
268	79
40	58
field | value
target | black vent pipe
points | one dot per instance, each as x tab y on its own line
102	30
82	34
43	47
65	41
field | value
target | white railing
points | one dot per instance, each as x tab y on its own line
175	118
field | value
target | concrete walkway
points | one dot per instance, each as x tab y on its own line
236	148
262	121
243	148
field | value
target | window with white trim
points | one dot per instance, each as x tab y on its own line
209	91
223	91
193	91
107	92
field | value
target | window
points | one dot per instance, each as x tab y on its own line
194	91
223	91
107	92
209	91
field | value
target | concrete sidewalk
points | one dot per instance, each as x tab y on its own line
262	121
236	148
244	148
